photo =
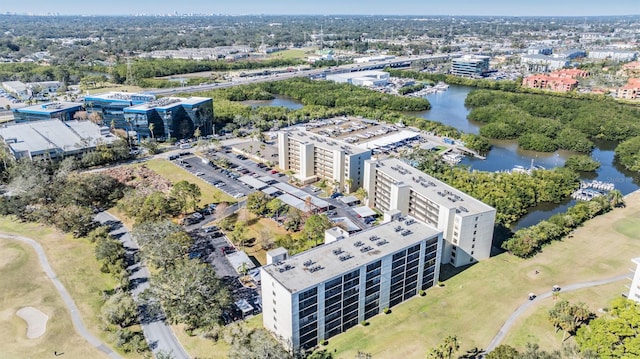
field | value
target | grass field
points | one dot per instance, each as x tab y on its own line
199	347
475	303
74	263
290	54
534	325
174	174
24	284
118	88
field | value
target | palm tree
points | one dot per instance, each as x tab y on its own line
152	127
348	182
616	198
450	345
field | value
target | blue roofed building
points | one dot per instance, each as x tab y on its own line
47	111
111	106
171	117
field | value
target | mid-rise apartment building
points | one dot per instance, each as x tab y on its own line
550	82
466	222
634	290
312	157
470	66
326	290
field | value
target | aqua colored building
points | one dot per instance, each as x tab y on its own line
47	111
168	117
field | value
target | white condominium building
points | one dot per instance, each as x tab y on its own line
326	290
466	222
312	157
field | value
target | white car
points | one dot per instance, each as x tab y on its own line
238	195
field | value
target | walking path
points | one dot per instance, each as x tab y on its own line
68	301
522	308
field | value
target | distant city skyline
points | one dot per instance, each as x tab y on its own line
328	7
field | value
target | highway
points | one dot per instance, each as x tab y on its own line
396	62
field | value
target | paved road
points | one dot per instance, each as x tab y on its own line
158	334
68	301
304	73
522	308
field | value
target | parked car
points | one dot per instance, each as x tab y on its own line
336	195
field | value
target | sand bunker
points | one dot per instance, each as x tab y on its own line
36	321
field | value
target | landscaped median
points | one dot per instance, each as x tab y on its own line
475	303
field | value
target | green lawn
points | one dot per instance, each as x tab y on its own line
24	284
289	54
475	303
174	174
75	265
628	226
200	347
534	325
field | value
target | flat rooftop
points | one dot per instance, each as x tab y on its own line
328	261
121	96
304	136
49	107
362	133
43	136
166	103
431	188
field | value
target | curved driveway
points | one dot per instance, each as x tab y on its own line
522	308
68	301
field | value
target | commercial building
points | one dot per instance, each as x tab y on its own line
539	50
47	111
548	82
110	106
25	91
569	54
611	54
171	117
311	157
362	78
542	63
470	66
54	138
326	290
634	290
17	88
467	223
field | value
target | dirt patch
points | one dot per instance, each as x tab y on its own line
36	321
140	177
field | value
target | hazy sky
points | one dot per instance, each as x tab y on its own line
327	7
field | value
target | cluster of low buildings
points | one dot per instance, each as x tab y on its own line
564	80
24	91
140	115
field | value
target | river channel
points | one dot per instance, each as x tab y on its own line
448	107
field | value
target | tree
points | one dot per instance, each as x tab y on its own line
614	335
294	219
239	234
162	243
152	127
450	345
185	195
111	252
347	185
616	198
257	203
315	226
275	207
120	309
503	352
254	344
197	133
190	293
568	317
